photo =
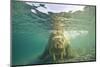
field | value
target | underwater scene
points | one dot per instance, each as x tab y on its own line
52	33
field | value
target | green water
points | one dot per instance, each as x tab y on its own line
27	46
30	35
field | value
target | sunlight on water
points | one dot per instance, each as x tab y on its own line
73	34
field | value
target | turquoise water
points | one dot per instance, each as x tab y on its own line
27	46
30	35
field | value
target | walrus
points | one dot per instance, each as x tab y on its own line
57	46
58	43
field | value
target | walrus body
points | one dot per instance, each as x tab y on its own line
57	46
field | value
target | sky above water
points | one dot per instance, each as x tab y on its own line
56	8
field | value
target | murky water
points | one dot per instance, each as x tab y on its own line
30	35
